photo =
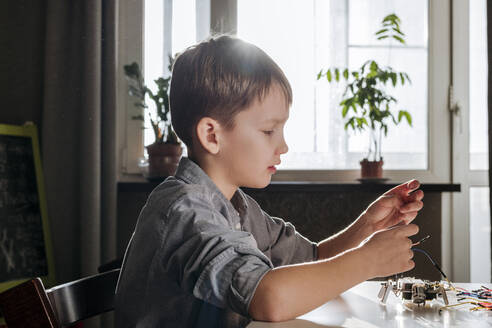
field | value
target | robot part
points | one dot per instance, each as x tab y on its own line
414	290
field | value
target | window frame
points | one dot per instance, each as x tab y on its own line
130	48
468	178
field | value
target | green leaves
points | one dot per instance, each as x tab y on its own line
160	120
335	74
356	123
391	29
394	78
384	30
347	104
328	75
374	66
398	38
391	20
346	73
132	71
365	102
408	117
365	91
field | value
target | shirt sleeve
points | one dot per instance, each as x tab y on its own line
287	246
209	259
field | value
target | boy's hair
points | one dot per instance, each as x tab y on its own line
218	78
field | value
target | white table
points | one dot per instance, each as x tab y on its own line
359	307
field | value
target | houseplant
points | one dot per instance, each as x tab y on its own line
165	152
366	104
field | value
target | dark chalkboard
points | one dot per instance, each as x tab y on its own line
25	245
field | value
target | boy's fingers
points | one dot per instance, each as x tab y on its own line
408	230
391	201
417	195
408	217
404	188
411	207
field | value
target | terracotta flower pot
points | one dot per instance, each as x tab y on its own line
163	159
371	169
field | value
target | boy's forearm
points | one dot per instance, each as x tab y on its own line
286	292
346	239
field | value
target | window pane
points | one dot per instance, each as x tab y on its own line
305	36
479	234
269	25
366	16
184	24
153	55
405	147
183	28
478	86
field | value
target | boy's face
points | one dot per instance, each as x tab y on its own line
252	148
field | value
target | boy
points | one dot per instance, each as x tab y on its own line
203	253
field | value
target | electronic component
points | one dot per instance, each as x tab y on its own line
415	290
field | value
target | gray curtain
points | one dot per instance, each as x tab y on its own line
58	67
79	131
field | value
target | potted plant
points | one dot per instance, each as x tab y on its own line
365	102
165	152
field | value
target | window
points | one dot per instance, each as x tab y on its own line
149	31
305	36
471	210
479	234
478	86
477	190
170	27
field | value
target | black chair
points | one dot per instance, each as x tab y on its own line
30	305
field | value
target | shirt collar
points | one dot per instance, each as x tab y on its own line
190	172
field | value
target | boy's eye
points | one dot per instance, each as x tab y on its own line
268	132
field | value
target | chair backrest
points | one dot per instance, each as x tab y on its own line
84	298
29	303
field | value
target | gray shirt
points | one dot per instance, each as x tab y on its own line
196	258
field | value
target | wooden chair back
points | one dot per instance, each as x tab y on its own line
30	305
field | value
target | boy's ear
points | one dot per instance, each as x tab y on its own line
207	134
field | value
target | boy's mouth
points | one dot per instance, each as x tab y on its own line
272	169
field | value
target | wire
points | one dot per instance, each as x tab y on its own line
457	304
483	293
421	240
415	249
474	299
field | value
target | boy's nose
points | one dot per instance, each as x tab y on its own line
283	147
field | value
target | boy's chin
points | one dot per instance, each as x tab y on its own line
258	184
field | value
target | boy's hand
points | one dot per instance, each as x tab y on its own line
396	206
389	251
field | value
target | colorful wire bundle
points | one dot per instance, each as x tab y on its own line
481	294
481	298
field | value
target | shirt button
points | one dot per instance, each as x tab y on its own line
238	225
